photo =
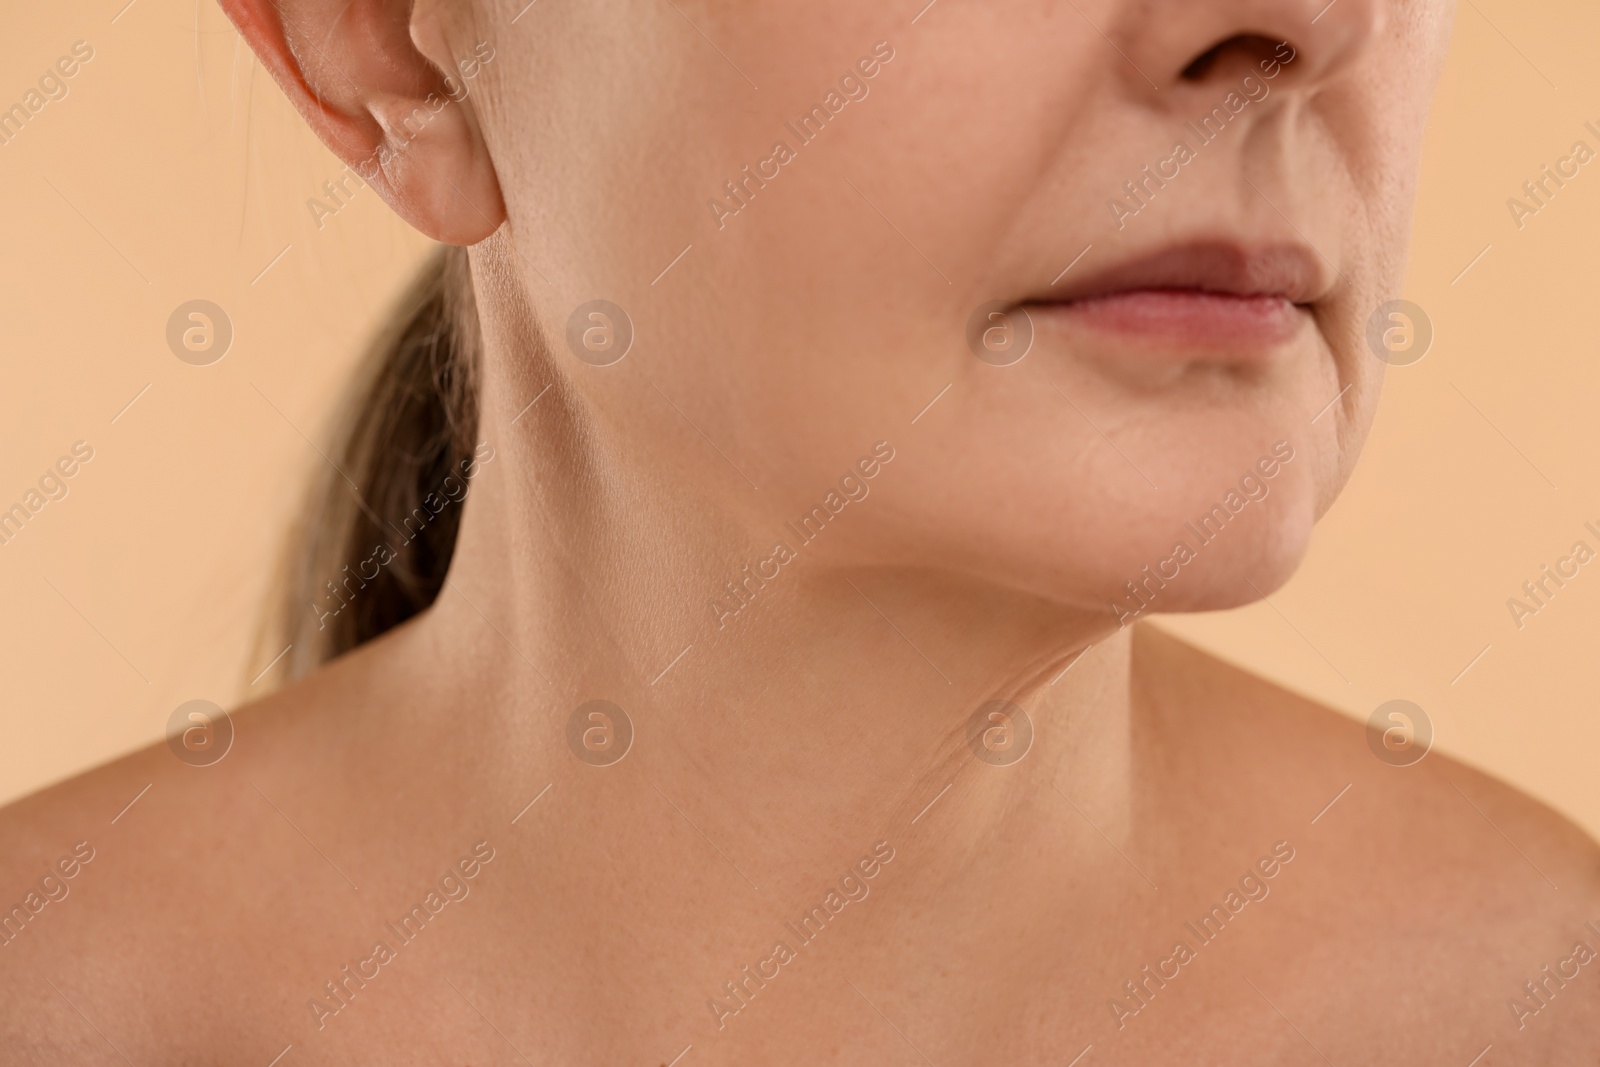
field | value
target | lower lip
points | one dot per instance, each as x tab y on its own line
1222	326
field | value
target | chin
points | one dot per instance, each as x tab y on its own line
1223	555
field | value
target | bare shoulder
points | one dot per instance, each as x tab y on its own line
1286	739
142	885
94	807
1428	883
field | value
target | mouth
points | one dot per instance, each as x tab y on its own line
1210	302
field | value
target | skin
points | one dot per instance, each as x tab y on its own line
776	750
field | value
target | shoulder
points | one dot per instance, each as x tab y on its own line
1435	885
1283	740
136	888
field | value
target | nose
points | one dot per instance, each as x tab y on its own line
1185	46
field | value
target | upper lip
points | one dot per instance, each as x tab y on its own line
1291	271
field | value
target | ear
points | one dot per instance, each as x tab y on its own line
378	82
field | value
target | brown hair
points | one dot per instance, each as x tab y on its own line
407	426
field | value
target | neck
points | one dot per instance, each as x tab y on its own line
833	697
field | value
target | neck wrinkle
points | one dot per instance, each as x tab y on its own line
826	710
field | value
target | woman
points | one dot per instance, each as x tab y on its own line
735	570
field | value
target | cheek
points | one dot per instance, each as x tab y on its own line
827	271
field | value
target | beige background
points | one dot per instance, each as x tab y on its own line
174	170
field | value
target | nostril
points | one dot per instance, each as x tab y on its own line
1241	50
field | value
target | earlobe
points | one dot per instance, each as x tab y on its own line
434	168
469	206
383	94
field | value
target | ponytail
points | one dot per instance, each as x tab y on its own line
409	424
